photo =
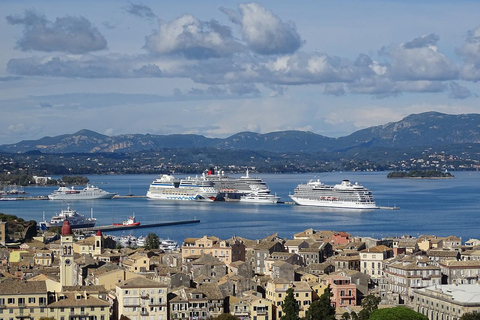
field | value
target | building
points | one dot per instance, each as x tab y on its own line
276	291
344	292
371	261
447	302
460	272
140	298
225	251
406	274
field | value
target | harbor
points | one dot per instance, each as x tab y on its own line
141	226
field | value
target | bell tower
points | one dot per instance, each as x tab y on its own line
98	243
66	256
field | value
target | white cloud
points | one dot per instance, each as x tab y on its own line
193	39
264	32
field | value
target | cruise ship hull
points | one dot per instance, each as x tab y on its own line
80	196
333	203
196	197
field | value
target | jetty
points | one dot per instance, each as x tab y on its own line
141	226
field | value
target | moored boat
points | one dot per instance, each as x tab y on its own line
344	195
75	219
88	193
130	222
167	187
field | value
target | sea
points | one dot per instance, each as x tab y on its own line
439	207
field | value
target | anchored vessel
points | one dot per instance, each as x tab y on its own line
75	219
88	193
167	187
345	195
259	196
234	188
130	222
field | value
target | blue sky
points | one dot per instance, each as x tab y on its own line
220	67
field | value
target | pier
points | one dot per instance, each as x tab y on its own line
141	226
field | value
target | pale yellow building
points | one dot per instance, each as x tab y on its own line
276	291
43	257
371	261
137	262
251	307
140	298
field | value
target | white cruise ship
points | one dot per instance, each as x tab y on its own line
345	195
234	188
88	193
167	187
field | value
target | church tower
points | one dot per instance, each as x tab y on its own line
98	243
66	256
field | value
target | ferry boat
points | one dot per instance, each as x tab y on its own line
167	187
344	195
130	222
88	193
75	219
233	188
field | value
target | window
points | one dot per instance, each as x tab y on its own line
11	300
31	300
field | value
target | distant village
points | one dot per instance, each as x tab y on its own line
63	277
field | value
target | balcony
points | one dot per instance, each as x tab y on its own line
2	306
144	295
144	313
22	305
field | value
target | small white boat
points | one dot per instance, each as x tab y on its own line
168	245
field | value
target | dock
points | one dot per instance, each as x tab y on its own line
141	226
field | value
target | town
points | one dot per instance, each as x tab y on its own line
71	277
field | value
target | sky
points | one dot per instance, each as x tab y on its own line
216	68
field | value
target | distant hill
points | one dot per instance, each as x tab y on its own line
430	129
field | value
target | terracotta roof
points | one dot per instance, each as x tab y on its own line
71	300
11	287
140	282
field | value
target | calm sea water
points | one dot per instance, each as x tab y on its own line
440	207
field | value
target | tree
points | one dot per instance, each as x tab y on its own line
369	304
345	316
226	316
470	316
152	241
322	308
290	307
397	313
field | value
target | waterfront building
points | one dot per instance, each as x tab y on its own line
447	302
141	298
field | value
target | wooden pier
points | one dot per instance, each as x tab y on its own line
141	226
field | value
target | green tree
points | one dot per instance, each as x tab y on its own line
397	313
290	307
226	316
322	308
346	316
152	241
470	316
369	304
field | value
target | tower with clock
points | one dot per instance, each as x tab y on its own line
66	256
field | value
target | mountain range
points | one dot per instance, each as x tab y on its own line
430	129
